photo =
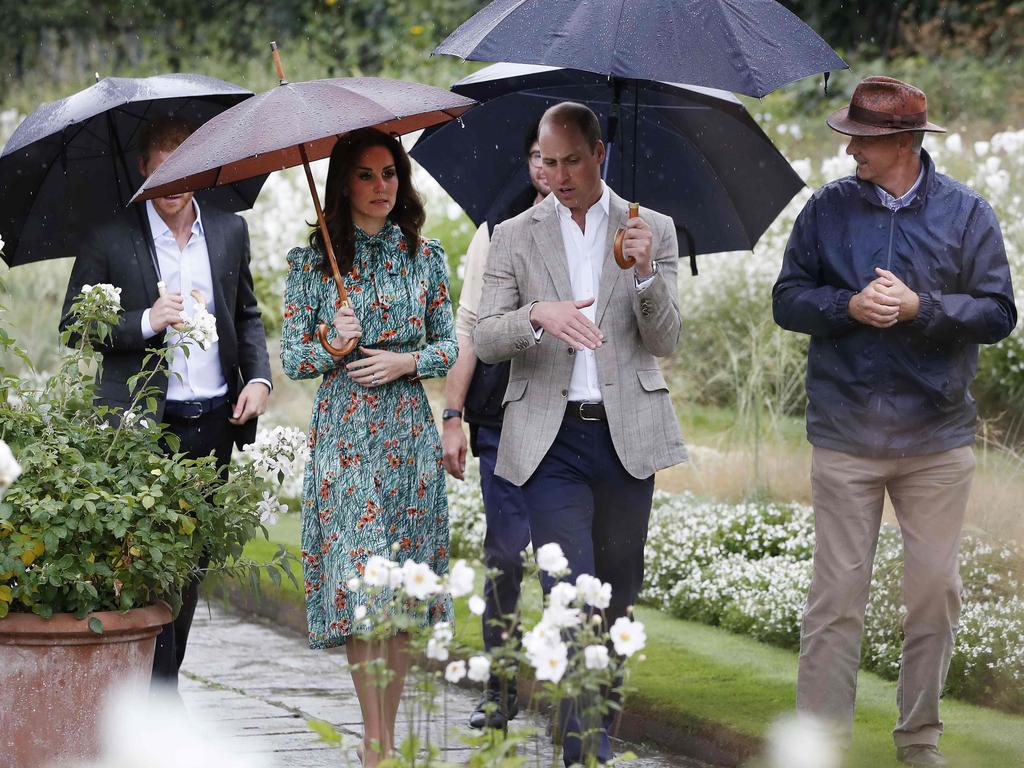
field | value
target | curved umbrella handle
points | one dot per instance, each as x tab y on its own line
336	352
624	262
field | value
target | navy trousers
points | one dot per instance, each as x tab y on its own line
199	437
508	534
582	498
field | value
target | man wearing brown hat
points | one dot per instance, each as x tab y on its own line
897	274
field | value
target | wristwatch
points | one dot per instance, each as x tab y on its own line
451	413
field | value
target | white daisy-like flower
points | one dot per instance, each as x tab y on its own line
628	636
418	580
460	579
595	657
477	605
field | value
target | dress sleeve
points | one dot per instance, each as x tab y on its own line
302	355
441	348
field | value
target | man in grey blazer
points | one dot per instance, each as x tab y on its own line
588	418
213	396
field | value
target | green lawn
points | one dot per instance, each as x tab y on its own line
695	676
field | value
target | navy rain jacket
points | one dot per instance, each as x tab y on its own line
900	391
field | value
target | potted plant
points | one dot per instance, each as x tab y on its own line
100	522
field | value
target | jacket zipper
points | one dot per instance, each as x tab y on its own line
892	230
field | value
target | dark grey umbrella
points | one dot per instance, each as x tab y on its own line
745	46
72	163
693	153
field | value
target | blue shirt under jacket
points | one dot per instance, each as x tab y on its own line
900	391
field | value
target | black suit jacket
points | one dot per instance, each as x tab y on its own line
120	252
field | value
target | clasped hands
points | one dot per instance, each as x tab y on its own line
884	301
378	366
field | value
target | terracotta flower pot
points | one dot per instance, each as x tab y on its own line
55	674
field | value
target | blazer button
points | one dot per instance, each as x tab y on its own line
565	393
572	350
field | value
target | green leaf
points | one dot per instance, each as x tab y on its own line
327	732
96	625
148	502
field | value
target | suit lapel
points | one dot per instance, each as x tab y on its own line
547	234
145	253
610	271
216	248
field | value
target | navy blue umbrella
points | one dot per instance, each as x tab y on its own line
693	153
745	46
71	164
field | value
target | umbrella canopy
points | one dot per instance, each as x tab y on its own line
72	163
745	46
693	153
294	124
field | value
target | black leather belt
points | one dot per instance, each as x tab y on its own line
193	409
585	410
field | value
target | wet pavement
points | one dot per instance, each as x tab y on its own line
260	685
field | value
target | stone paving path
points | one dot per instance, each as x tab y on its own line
260	685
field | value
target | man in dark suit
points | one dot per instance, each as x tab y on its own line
213	396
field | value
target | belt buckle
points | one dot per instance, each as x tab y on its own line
195	409
587	418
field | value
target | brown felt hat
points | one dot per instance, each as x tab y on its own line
883	105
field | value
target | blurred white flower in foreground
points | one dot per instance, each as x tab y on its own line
801	742
419	581
455	671
477	606
460	579
551	559
154	731
9	467
479	669
595	657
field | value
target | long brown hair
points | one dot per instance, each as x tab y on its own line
408	212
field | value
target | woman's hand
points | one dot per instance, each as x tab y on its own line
380	366
347	324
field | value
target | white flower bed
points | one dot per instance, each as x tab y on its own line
747	568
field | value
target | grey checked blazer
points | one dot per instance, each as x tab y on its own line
527	264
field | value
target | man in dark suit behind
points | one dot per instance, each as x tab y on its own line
213	396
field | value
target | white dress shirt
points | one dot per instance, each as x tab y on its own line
198	376
584	253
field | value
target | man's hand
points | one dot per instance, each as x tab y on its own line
872	306
564	320
454	443
252	401
891	286
166	311
636	243
347	324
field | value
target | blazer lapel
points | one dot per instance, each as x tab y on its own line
547	235
145	253
216	249
611	273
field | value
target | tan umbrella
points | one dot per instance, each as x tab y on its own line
296	123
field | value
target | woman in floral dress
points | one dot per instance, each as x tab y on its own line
374	483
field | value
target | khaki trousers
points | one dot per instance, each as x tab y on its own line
929	494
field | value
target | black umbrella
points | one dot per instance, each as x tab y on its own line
745	46
693	153
72	163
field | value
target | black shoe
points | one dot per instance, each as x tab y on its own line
490	713
920	754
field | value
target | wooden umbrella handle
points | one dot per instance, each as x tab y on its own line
624	262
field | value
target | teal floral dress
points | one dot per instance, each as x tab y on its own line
374	483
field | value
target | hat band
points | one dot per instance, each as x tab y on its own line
887	119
